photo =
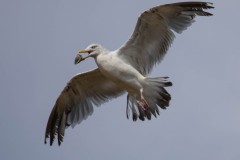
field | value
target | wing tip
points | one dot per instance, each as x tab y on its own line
55	126
52	138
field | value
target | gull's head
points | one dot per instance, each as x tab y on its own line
92	50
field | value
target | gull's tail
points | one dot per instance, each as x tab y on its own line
155	95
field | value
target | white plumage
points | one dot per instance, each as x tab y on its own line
125	70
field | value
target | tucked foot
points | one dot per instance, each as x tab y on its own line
142	103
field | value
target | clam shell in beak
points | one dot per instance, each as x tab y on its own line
78	59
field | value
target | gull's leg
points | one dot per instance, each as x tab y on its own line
143	103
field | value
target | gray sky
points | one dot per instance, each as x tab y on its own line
39	41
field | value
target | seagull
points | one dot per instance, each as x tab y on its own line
125	70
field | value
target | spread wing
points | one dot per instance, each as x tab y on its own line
75	102
154	34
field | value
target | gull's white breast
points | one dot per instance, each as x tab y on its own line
121	73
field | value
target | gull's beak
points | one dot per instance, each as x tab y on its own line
79	57
84	51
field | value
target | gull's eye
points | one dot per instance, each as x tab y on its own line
93	47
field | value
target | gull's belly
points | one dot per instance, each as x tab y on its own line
121	73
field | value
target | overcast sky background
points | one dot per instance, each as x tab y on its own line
38	44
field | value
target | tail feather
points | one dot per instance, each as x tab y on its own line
156	96
142	114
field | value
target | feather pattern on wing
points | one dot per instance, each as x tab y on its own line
154	34
76	101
